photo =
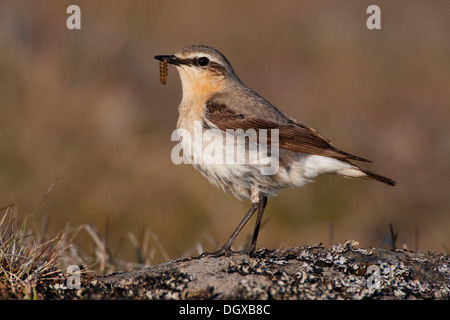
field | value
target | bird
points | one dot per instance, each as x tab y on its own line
216	102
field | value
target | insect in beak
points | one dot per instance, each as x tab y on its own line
163	71
163	61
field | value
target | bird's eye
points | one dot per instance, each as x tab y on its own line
203	61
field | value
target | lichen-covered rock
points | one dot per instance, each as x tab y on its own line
344	271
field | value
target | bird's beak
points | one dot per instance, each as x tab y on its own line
169	59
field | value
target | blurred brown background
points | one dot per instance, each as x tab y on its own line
86	107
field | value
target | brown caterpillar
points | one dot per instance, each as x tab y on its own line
163	71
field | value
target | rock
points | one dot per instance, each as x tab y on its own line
344	271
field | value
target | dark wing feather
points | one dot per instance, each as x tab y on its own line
293	136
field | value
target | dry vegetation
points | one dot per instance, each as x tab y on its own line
30	257
86	108
25	259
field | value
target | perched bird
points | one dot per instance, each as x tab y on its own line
216	104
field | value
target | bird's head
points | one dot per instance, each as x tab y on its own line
203	70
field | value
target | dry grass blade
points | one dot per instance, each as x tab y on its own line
26	259
101	251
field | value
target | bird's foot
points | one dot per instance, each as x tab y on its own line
224	251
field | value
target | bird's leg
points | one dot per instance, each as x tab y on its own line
227	246
261	206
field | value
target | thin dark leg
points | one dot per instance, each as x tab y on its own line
261	206
226	247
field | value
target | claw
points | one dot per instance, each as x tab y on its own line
226	252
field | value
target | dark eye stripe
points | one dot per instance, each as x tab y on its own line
212	66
